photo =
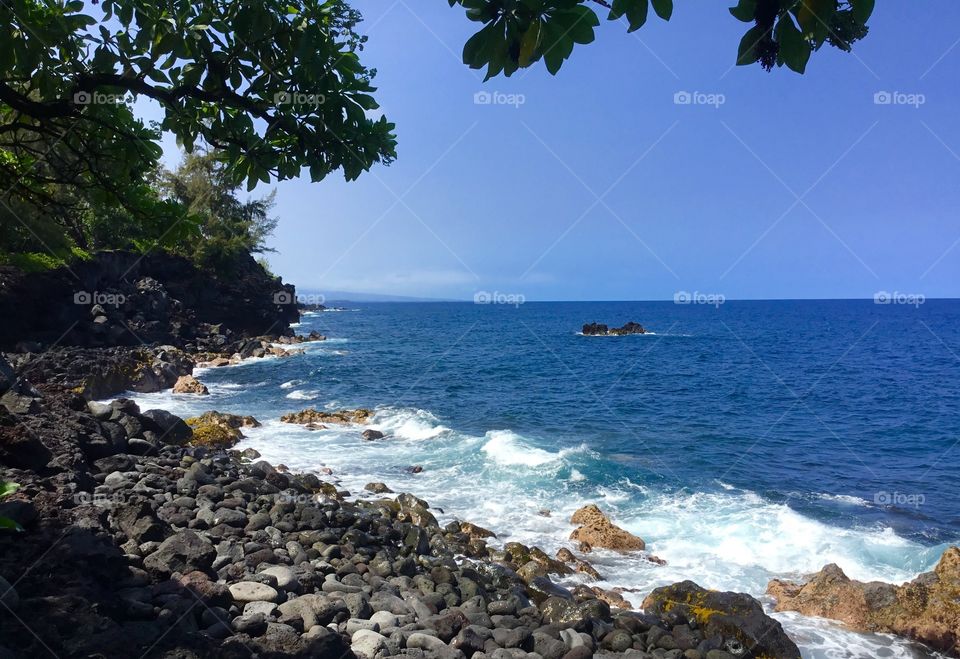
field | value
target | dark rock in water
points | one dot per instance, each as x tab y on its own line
733	616
371	435
599	329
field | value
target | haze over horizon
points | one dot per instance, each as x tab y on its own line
604	183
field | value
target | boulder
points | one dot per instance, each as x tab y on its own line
736	617
170	428
598	531
311	415
219	430
372	435
183	552
187	384
926	609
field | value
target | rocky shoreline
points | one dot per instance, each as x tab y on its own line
137	535
148	535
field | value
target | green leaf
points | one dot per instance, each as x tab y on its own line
7	524
531	39
814	17
862	10
746	11
794	49
664	8
747	52
6	489
475	51
635	10
577	23
552	46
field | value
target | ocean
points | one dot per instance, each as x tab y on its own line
743	441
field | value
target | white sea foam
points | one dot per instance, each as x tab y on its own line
845	499
408	424
508	448
303	394
731	539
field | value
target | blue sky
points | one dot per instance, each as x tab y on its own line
599	186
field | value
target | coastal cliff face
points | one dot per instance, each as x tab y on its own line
130	299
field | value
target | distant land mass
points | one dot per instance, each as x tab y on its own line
333	298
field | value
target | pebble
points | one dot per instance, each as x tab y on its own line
251	591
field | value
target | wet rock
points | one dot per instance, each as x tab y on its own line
599	329
371	435
187	384
925	609
598	531
311	415
219	430
729	615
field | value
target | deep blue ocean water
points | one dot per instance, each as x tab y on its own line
742	441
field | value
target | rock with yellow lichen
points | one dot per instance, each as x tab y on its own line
736	617
219	430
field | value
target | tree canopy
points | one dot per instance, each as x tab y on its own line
276	85
519	33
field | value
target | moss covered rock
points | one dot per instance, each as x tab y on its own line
736	617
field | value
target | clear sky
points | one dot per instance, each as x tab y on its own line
599	186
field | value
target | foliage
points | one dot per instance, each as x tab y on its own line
276	84
6	489
518	33
43	261
228	226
